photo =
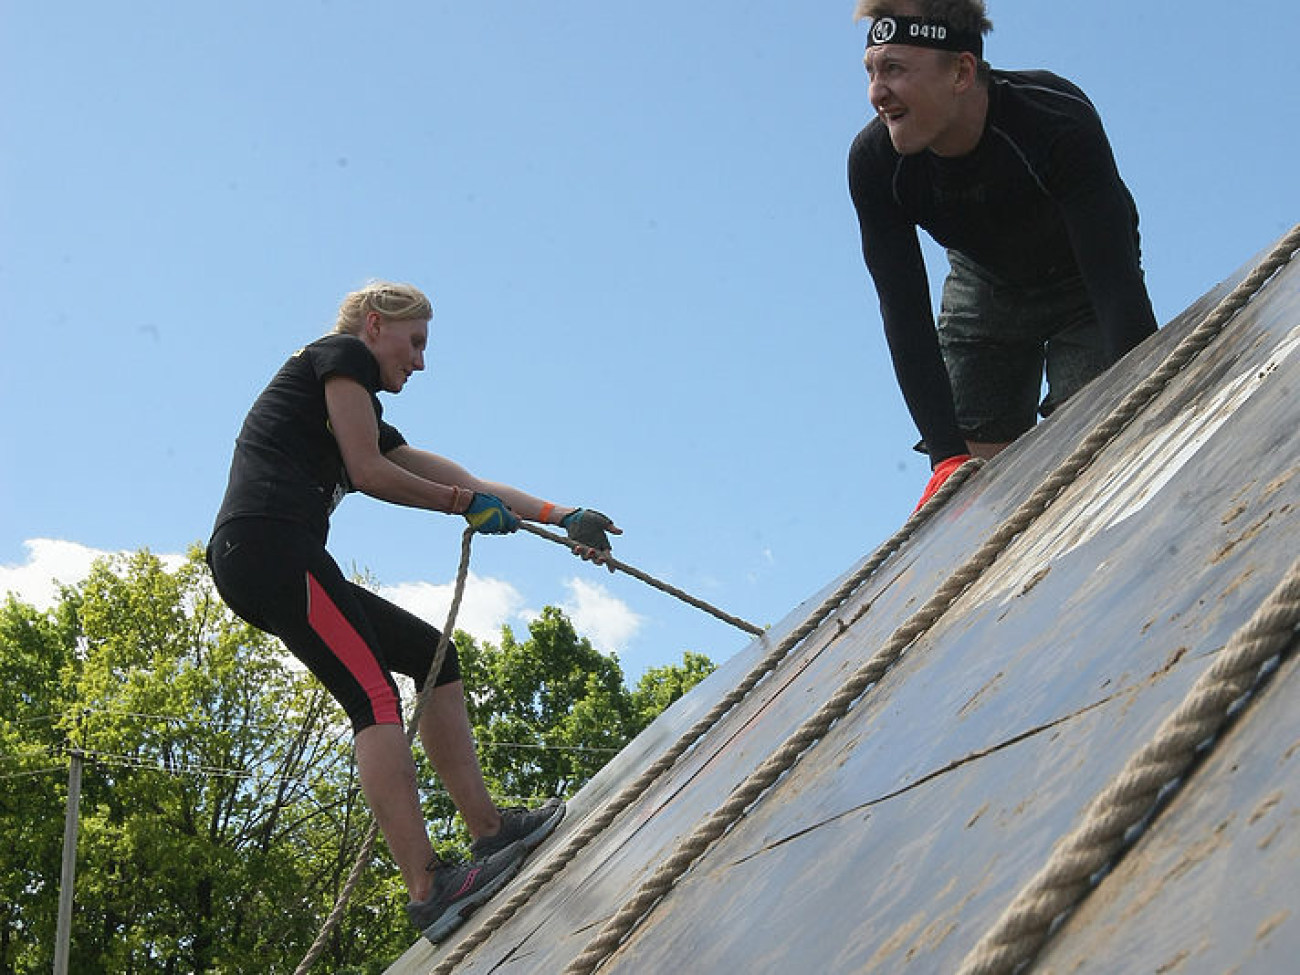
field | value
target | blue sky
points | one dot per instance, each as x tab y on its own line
635	229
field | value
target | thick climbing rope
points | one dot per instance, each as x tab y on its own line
412	729
743	796
1132	795
556	863
614	563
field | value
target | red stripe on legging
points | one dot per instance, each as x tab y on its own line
346	644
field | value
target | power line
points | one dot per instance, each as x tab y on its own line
38	718
73	713
196	719
178	770
184	768
31	772
37	752
548	748
202	720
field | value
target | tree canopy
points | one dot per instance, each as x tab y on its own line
220	812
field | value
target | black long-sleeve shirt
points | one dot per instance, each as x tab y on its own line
1038	200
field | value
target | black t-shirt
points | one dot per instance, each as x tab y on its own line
1038	201
287	464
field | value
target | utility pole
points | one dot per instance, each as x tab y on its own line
68	876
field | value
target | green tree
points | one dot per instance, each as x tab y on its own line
220	812
659	687
34	650
550	711
547	712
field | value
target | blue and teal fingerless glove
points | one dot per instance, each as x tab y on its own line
488	515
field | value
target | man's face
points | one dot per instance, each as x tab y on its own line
912	90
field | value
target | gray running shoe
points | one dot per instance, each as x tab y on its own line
458	888
522	830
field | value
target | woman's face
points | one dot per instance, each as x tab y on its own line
398	345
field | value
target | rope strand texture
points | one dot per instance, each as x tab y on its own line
685	597
1130	797
633	911
555	864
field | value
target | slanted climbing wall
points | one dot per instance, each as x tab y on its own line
1053	721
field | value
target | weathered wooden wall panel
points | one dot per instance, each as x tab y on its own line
896	841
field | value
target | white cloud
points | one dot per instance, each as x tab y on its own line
603	619
766	560
49	562
489	604
52	562
486	606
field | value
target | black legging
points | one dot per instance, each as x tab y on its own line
276	576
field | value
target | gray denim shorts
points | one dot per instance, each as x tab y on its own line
998	339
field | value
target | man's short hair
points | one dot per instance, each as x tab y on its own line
960	15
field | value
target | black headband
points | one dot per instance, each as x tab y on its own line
919	32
